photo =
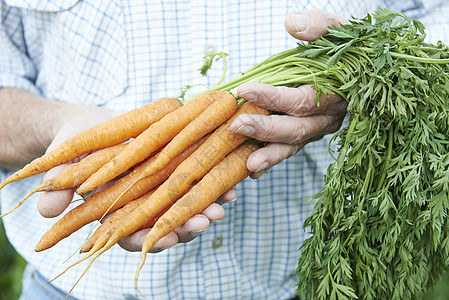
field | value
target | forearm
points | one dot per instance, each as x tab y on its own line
28	125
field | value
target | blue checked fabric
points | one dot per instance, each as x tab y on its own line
123	54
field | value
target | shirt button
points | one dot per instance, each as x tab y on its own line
217	242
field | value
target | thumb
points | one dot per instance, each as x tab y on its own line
51	204
310	25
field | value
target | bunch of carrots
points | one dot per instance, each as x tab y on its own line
172	154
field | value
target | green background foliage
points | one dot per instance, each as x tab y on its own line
441	291
11	269
379	226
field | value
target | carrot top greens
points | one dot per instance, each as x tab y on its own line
379	229
380	226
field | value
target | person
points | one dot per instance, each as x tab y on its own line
68	65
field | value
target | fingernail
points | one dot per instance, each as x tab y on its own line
232	200
221	202
262	167
245	129
196	233
248	96
301	22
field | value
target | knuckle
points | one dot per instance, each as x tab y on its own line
302	101
299	133
275	100
307	94
262	126
266	133
335	123
292	150
283	129
334	127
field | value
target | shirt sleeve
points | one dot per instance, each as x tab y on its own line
16	67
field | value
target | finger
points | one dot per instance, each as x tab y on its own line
299	101
310	25
193	227
214	212
266	157
226	197
133	242
272	154
52	204
53	172
285	129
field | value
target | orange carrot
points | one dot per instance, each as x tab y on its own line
74	174
225	175
220	143
106	201
156	136
213	116
115	131
116	217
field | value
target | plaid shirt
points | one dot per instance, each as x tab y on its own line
122	54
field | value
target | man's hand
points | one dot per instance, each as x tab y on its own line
52	204
301	121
